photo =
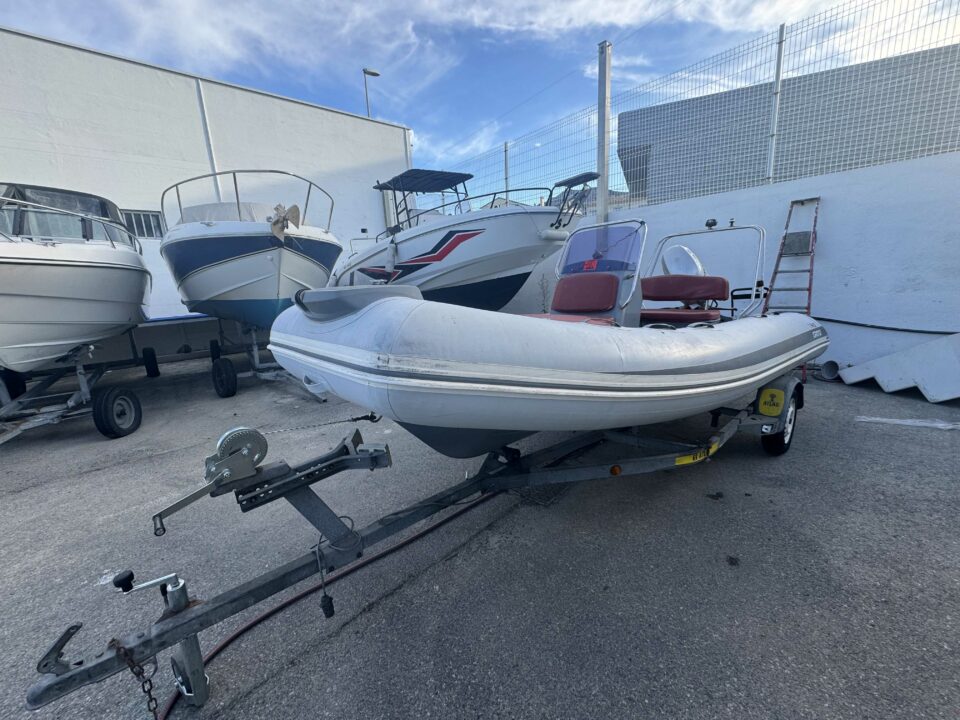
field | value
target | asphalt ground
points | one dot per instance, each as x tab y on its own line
821	584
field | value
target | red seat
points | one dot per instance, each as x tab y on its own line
575	318
688	289
586	293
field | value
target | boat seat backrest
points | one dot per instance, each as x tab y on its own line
688	289
586	293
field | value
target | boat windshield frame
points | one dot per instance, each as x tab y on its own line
236	190
639	231
756	297
86	225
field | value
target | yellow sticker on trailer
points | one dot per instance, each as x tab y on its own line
698	456
771	402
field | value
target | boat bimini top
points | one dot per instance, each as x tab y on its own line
410	183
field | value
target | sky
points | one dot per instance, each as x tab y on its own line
465	76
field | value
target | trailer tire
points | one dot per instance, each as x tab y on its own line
16	385
224	377
150	365
778	443
214	350
116	412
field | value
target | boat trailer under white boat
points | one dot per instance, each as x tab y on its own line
237	466
69	279
242	262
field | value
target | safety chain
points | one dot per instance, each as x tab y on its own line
146	683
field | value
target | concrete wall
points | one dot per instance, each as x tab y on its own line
888	251
82	120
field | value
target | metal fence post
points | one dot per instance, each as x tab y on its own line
603	129
775	104
506	172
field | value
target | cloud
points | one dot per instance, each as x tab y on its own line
327	42
430	148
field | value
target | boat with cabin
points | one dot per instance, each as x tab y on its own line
471	251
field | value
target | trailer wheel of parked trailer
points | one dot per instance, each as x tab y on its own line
779	443
150	365
224	377
116	412
14	382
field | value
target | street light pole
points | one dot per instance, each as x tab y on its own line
366	93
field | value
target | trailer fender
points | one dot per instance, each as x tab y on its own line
773	398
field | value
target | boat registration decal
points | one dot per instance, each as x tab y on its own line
447	244
771	402
699	456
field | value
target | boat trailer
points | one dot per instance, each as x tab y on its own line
26	404
223	371
237	467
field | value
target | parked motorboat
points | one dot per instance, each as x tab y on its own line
70	275
467	381
456	254
241	260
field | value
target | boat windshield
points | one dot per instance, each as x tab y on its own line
604	248
49	214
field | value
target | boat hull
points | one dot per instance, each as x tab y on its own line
480	259
56	297
240	271
433	366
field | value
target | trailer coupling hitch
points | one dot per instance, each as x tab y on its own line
52	660
135	652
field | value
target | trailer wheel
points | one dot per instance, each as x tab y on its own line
116	412
779	443
16	385
214	350
224	377
150	365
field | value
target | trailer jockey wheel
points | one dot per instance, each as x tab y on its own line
779	443
224	377
116	412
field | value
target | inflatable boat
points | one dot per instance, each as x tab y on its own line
468	381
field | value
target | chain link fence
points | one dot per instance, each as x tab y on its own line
864	83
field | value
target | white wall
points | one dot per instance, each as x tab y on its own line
888	250
81	120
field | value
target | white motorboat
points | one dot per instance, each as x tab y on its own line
244	261
477	258
70	275
467	381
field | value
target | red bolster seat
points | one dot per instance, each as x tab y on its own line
688	289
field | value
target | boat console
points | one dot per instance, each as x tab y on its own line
598	280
